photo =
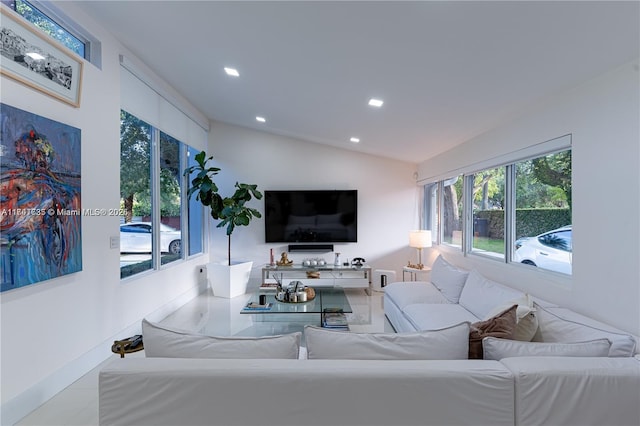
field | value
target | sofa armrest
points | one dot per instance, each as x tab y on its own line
576	391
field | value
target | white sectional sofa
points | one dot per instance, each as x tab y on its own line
551	391
454	295
576	372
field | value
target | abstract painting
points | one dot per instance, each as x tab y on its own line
40	216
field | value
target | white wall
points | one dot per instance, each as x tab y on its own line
603	117
387	194
55	331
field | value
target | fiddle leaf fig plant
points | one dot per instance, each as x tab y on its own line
230	211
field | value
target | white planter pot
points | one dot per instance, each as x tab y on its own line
229	281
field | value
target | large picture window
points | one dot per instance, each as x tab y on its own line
517	212
151	184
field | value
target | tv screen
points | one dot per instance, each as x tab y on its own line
311	216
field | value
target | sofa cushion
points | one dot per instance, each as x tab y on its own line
447	343
166	342
436	316
565	326
502	325
448	279
481	295
497	349
578	391
527	322
408	293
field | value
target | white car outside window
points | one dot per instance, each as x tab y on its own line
135	237
551	250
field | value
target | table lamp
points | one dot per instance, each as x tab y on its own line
419	239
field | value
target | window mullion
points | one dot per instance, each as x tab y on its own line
509	212
184	203
440	212
155	197
467	208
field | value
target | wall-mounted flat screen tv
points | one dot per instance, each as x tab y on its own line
328	216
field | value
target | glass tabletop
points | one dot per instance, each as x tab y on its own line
327	299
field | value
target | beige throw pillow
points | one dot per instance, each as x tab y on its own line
527	321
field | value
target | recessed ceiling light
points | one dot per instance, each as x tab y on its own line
375	102
261	119
354	140
232	72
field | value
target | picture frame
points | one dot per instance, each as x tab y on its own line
36	60
40	208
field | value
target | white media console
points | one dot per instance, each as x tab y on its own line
318	276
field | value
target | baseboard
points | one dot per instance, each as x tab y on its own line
20	406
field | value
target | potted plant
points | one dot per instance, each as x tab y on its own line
228	280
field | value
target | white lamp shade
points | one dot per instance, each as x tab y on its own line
420	239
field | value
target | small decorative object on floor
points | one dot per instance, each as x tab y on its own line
128	345
284	260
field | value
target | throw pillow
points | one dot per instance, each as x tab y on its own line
502	348
527	322
502	325
448	279
565	326
480	295
447	343
167	342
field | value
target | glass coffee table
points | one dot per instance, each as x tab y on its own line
328	300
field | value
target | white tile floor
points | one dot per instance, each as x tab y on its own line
77	405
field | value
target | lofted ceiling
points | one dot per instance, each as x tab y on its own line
446	70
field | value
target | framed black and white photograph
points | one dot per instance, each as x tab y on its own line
38	61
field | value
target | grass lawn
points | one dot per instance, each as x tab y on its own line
488	244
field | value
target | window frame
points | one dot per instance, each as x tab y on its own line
155	195
509	162
92	46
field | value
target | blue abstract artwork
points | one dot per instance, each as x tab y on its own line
40	216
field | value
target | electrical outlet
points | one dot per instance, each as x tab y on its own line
114	242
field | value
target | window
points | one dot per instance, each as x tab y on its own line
48	26
136	239
195	213
170	196
431	209
143	174
451	211
488	204
543	212
517	212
